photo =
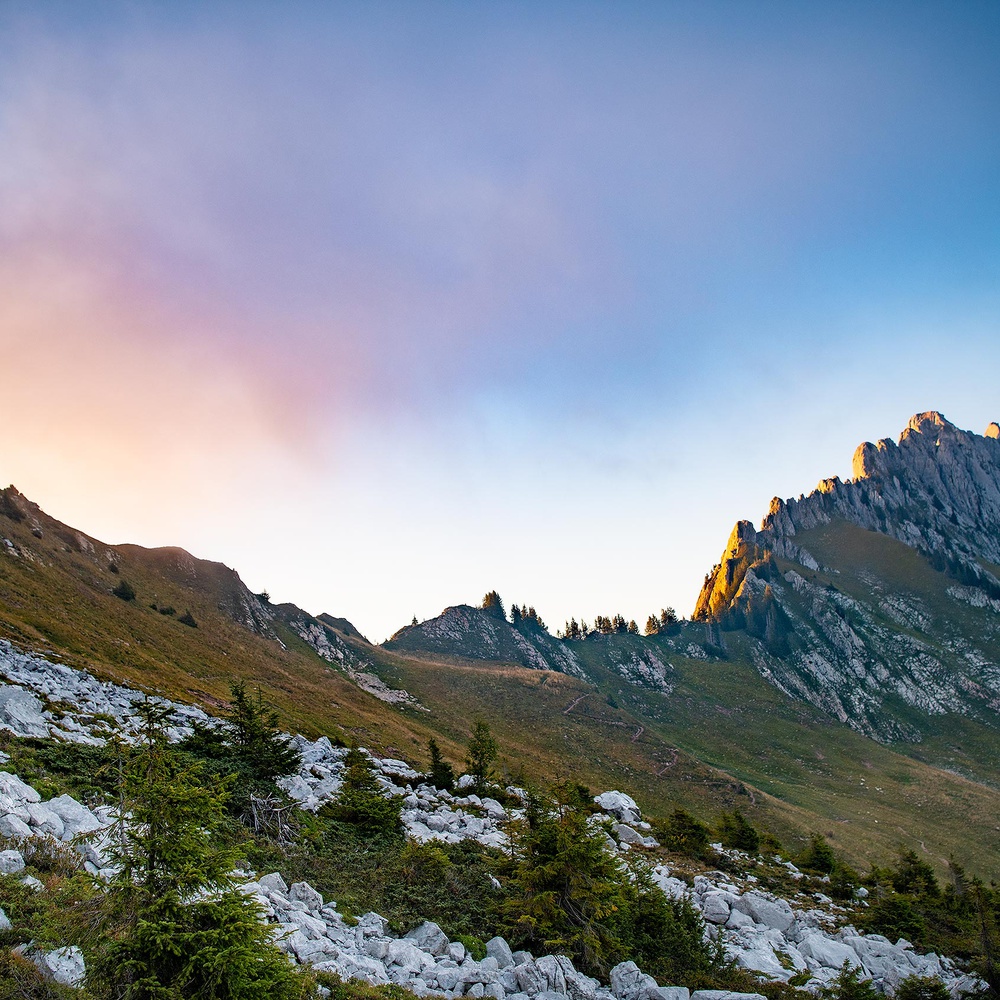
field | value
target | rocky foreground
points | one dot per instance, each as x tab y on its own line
780	939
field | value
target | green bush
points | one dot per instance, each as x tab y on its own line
849	985
922	988
683	834
570	895
125	591
360	801
818	858
735	831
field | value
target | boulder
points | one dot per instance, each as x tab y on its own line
407	955
715	908
623	807
18	790
775	913
13	828
76	817
578	985
629	982
44	820
827	953
63	965
303	892
273	883
5	924
498	948
725	995
11	862
429	937
21	712
669	993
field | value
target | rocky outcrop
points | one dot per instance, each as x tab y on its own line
481	634
329	646
853	655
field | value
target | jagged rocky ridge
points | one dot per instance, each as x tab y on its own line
774	937
860	656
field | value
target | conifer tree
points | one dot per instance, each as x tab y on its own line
652	625
441	774
493	604
515	615
482	752
173	924
360	800
633	628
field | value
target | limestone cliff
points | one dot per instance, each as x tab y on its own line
829	616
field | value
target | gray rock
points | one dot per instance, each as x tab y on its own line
76	817
273	883
770	912
21	712
63	965
407	955
623	807
11	862
629	982
429	937
18	790
520	957
13	828
456	951
828	953
626	835
715	908
578	986
303	892
498	948
5	924
669	993
44	820
725	995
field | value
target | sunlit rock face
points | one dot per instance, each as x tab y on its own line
848	632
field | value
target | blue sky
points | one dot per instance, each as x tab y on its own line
387	305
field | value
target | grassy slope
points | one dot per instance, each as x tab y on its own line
959	743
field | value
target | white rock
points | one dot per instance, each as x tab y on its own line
429	937
774	913
11	862
63	965
76	817
13	828
715	907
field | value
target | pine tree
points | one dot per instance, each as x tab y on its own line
668	617
515	615
441	774
482	752
652	625
173	924
360	800
493	604
633	628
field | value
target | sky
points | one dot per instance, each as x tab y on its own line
387	305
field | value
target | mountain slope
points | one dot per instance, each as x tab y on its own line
876	599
